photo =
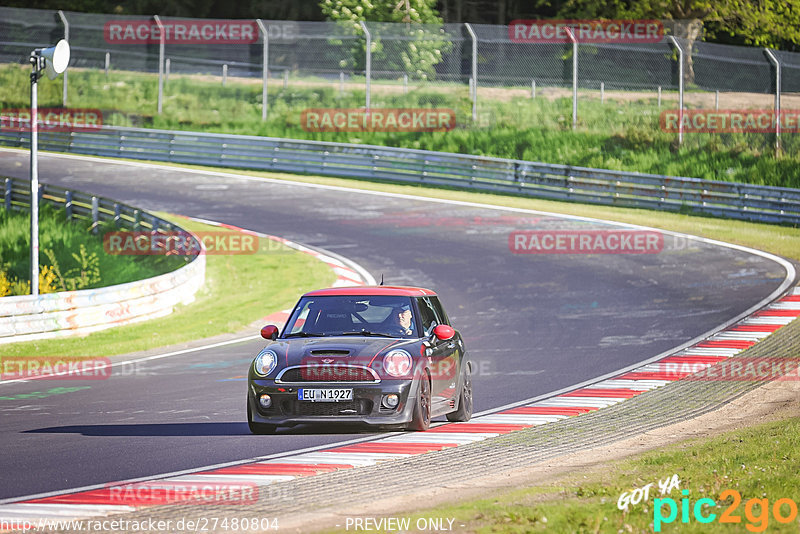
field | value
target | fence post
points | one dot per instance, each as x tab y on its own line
602	92
777	64
533	89
659	96
264	67
224	74
66	38
341	83
716	100
474	71
368	66
167	65
405	83
108	62
680	87
286	79
161	41
574	42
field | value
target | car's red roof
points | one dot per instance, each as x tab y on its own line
398	291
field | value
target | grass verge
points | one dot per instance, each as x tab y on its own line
239	289
70	256
618	134
759	462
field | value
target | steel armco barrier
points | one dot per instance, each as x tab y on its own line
24	318
542	180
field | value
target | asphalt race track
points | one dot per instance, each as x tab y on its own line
534	323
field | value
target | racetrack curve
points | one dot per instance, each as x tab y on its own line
534	323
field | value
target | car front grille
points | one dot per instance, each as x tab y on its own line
357	407
328	373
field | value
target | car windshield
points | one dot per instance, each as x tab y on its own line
382	316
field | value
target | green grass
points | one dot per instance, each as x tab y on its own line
71	251
760	462
239	290
615	135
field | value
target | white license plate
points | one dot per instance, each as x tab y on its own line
325	395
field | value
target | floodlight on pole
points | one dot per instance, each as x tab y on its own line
53	61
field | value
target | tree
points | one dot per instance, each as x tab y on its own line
760	23
415	48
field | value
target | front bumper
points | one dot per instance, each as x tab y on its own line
365	408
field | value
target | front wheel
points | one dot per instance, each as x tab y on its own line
421	418
464	412
258	428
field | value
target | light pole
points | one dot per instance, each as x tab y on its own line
53	61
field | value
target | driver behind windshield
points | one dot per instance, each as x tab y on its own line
402	321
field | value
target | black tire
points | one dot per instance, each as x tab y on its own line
421	416
464	411
258	428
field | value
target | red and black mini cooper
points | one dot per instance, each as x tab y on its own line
376	355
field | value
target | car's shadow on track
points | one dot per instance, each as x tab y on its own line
191	429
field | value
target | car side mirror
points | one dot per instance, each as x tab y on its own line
443	332
270	332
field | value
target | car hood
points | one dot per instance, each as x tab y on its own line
349	350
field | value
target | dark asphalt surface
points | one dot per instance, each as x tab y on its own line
532	323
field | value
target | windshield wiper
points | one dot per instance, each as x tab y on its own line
304	334
366	333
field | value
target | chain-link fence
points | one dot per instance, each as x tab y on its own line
481	72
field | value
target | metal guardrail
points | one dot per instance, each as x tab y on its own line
558	182
27	317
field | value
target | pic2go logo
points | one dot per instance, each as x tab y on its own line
756	511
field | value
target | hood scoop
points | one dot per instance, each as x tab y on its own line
329	352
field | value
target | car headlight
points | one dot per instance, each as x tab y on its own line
265	362
397	362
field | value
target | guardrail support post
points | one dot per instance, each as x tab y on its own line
474	85
680	87
264	67
161	42
777	64
68	204
136	219
95	214
117	215
8	192
66	38
368	66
